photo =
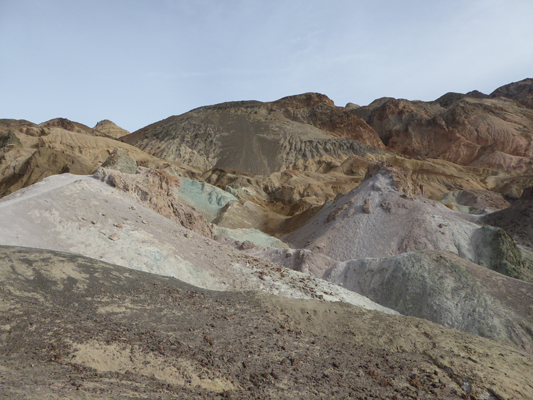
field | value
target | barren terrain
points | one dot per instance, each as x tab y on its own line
290	249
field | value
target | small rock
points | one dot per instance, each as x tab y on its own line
367	208
114	237
247	245
119	225
93	222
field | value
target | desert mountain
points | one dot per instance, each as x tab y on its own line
112	218
110	129
259	138
103	128
272	250
387	215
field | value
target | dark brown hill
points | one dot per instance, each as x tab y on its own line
259	138
517	219
521	91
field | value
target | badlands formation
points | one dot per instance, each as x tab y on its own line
290	249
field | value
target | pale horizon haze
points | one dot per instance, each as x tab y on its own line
136	62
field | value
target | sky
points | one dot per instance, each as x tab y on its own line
136	62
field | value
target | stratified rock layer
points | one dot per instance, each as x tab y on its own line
469	129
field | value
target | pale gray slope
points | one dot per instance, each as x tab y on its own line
444	288
378	220
82	215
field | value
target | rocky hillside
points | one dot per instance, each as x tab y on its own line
259	138
521	92
31	152
493	131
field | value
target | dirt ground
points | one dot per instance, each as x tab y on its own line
77	328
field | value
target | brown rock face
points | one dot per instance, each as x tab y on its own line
463	129
320	111
403	180
104	128
259	138
62	123
20	168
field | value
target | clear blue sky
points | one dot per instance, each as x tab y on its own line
139	61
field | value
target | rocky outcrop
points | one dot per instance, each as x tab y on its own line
308	262
158	191
497	250
259	138
119	160
521	91
465	129
9	139
475	200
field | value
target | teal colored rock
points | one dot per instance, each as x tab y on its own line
206	198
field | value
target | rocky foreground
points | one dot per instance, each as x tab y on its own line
78	328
